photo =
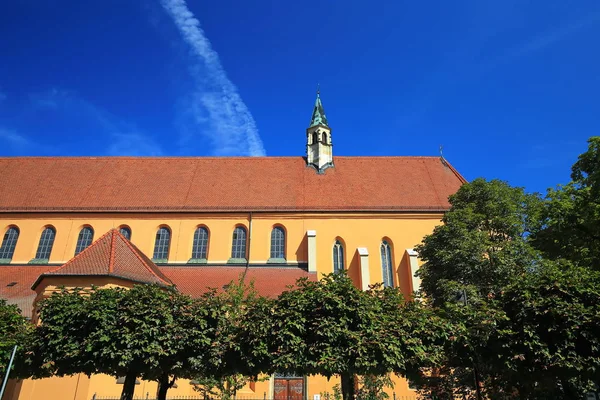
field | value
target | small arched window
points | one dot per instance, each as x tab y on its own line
200	245
46	242
338	257
315	137
9	243
161	245
278	243
324	138
86	235
238	244
126	232
386	264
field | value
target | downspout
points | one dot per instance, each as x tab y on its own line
249	246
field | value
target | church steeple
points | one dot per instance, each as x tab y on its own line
318	139
318	115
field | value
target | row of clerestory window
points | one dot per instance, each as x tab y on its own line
161	244
239	242
44	249
386	261
199	246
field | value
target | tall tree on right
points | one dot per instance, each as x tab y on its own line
569	223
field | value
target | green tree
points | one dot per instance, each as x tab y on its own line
569	226
239	348
147	332
330	327
482	242
528	329
549	344
14	330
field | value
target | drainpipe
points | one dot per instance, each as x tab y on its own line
249	245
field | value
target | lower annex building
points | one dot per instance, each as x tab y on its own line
198	223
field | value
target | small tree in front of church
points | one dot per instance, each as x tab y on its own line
147	331
330	327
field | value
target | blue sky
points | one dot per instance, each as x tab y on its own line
509	88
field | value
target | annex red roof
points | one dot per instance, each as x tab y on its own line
111	255
16	281
224	184
15	285
268	281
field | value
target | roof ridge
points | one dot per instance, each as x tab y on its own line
137	252
111	263
76	257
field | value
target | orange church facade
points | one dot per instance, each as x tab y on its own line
199	222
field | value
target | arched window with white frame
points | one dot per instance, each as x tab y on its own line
162	243
238	243
86	235
9	242
386	264
338	257
200	245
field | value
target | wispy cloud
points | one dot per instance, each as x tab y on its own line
123	139
216	101
12	138
549	38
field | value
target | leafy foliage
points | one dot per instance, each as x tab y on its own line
330	327
239	347
14	330
569	226
147	331
482	242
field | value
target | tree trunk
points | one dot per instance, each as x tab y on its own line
163	386
348	388
129	386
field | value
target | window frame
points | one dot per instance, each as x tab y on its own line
46	244
237	245
127	228
162	247
277	243
338	250
85	233
387	263
9	243
199	242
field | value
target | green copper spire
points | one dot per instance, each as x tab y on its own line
318	115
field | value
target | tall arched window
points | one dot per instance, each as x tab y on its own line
238	244
386	264
161	245
86	235
125	231
324	138
338	257
46	242
200	246
278	243
9	243
315	137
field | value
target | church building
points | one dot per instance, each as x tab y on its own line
200	222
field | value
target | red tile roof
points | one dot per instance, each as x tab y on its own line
268	281
15	285
194	281
112	255
224	184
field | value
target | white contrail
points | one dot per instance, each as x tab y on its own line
234	130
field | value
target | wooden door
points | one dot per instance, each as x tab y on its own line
288	389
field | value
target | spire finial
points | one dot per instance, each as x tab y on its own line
318	89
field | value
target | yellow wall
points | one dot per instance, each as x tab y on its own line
355	230
367	230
